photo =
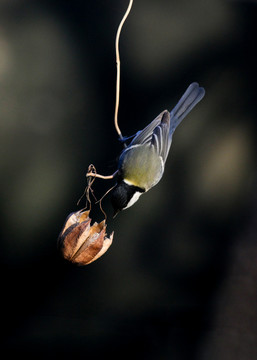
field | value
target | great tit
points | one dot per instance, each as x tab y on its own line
141	163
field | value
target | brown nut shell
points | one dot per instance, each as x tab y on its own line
81	243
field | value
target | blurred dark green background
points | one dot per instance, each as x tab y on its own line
179	281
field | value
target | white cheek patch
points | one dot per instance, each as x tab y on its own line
134	198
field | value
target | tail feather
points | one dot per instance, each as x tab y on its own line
191	97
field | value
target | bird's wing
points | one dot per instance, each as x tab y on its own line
156	134
162	137
144	136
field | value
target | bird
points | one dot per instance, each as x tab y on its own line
141	164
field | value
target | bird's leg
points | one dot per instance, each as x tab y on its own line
92	173
124	139
104	177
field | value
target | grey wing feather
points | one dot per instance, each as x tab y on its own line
157	134
161	139
146	134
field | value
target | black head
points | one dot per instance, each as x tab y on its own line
122	195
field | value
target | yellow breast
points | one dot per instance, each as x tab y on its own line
141	166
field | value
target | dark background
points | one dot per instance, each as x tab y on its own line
179	281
